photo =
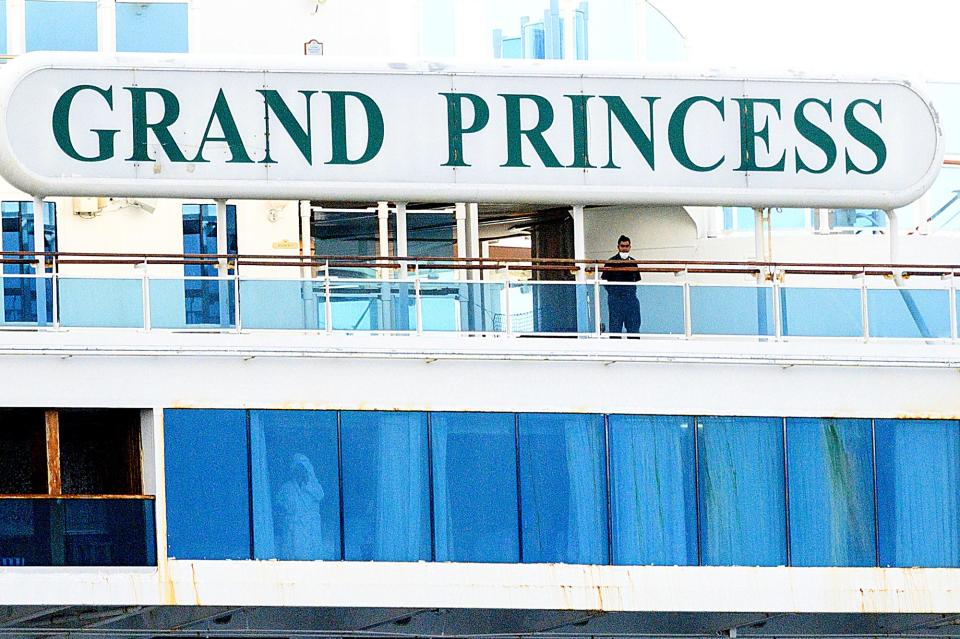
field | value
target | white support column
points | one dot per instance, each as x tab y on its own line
758	234
311	309
580	253
16	29
39	247
894	227
107	25
306	219
383	222
822	221
473	235
579	241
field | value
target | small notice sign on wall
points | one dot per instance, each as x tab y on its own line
312	47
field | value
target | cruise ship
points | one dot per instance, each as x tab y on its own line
337	336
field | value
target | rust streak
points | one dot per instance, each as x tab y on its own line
52	421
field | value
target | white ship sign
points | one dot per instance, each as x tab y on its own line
190	126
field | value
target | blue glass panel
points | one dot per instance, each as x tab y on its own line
207	302
296	496
208	492
653	490
20	294
372	306
61	26
731	310
742	518
460	306
475	520
386	499
791	218
664	42
511	49
821	312
282	304
563	489
108	303
661	308
552	307
831	492
77	532
152	27
918	492
907	312
179	303
944	195
3	27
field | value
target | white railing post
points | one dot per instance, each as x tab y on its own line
145	292
417	303
597	307
327	304
777	308
236	296
55	284
952	297
687	311
864	308
506	305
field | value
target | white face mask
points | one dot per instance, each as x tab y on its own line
623	255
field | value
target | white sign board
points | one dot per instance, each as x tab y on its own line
187	126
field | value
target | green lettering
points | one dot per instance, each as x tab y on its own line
816	135
865	136
338	127
515	131
581	150
749	135
231	135
301	136
161	129
455	130
644	143
678	144
61	125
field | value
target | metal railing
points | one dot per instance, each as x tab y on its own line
680	299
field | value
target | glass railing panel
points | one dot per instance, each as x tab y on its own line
77	532
372	305
821	312
460	306
192	302
19	302
909	312
100	302
658	309
282	304
552	308
731	310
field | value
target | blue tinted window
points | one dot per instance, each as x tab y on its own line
61	26
831	492
208	499
742	519
20	294
207	301
296	492
917	492
653	490
153	27
563	489
386	502
475	487
3	27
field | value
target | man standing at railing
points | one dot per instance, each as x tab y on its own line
622	295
